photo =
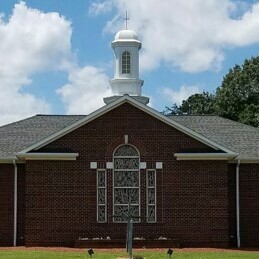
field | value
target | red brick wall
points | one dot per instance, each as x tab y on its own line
56	202
249	205
192	196
197	198
6	204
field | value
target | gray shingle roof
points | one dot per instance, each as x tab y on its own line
16	136
232	135
238	137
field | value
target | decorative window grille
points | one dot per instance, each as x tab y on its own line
101	196
151	196
125	62
126	183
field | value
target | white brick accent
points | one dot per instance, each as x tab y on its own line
93	165
143	165
159	165
109	165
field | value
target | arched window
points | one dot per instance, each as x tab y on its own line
126	183
125	61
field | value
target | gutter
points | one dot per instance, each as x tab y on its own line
238	204
205	156
15	205
248	160
9	160
47	156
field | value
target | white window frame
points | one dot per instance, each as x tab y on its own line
105	193
148	188
126	61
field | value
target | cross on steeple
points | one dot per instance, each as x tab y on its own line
126	20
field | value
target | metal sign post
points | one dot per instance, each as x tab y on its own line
129	235
130	241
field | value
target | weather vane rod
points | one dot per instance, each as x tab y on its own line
126	20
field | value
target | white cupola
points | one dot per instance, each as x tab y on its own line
126	46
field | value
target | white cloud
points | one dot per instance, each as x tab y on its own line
85	91
97	8
182	94
190	35
15	105
31	41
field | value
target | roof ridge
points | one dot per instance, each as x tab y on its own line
16	122
50	115
239	123
192	115
212	115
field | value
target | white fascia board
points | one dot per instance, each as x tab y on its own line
47	156
113	105
204	156
245	160
6	160
9	160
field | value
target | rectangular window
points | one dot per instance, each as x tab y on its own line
151	196
101	196
125	62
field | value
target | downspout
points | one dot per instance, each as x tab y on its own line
238	204
15	205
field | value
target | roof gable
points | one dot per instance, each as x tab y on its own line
236	136
113	105
19	135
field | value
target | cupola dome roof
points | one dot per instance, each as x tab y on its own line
126	34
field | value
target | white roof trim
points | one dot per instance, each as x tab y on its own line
246	160
112	106
9	160
204	156
47	156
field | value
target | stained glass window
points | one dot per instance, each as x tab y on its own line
126	183
151	195
101	196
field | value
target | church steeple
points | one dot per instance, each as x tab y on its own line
126	46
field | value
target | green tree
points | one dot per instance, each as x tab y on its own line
238	96
250	115
174	110
196	104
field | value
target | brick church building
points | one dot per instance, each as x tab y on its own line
190	179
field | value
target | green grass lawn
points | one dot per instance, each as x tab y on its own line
102	255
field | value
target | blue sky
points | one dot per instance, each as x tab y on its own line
56	56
